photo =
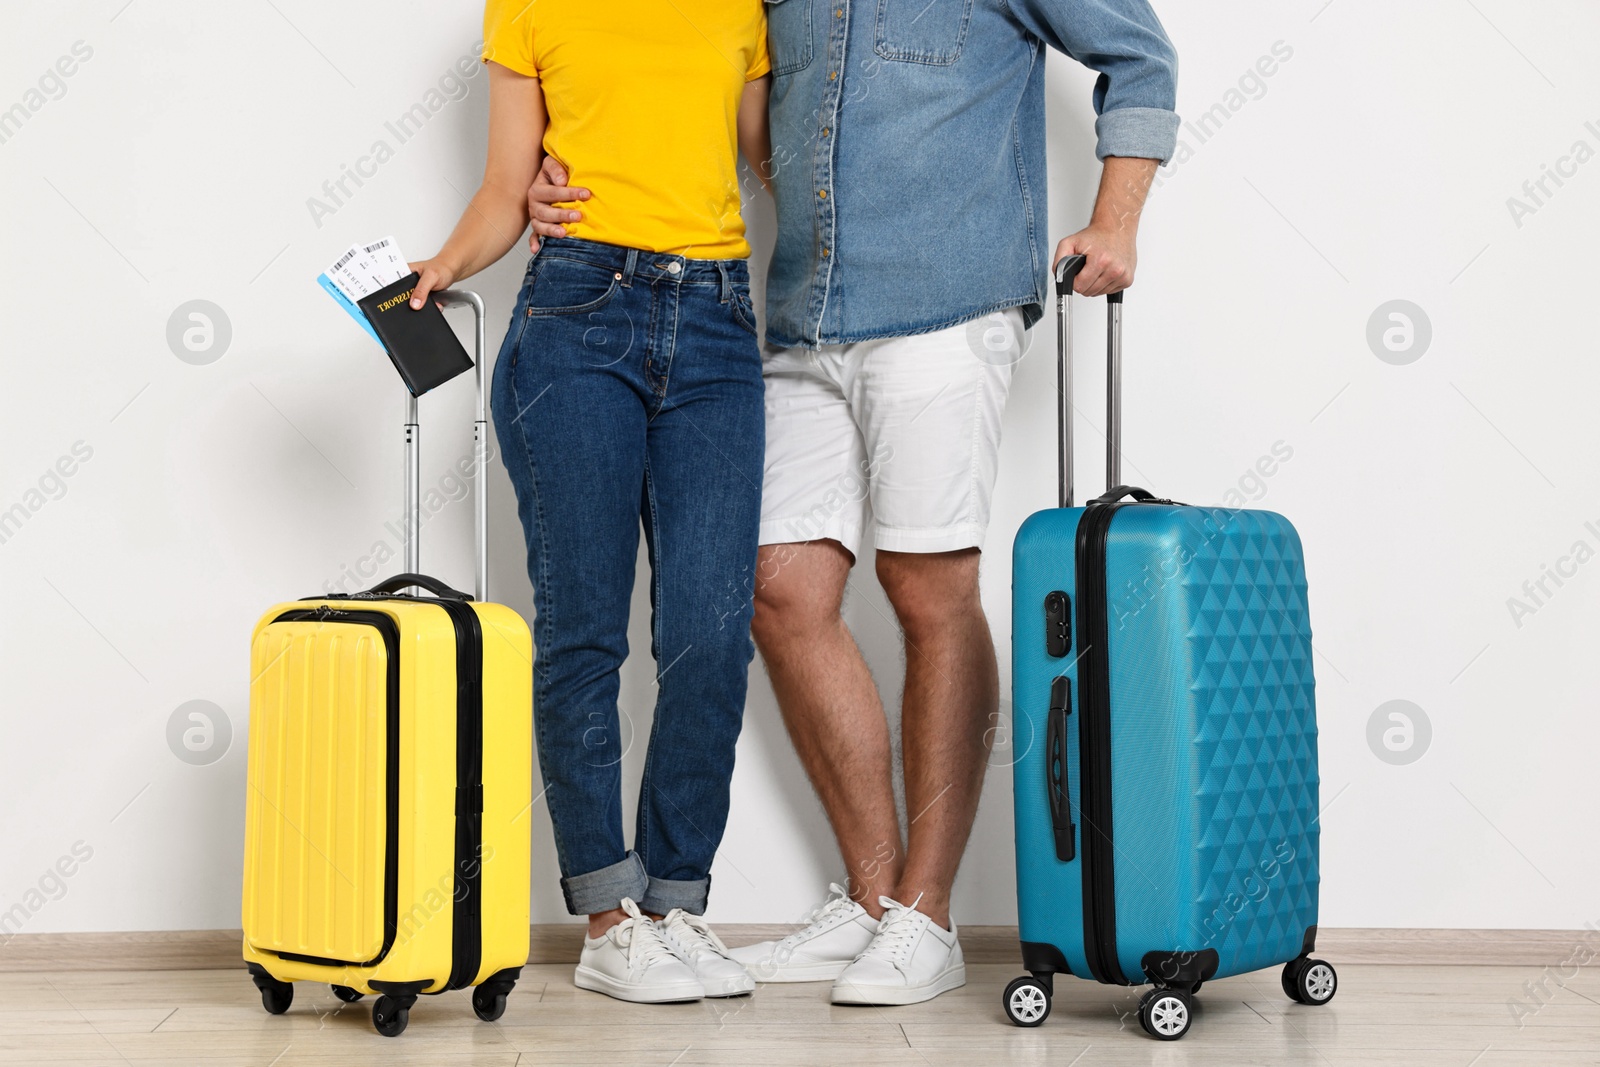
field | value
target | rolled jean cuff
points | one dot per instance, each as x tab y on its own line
664	894
603	890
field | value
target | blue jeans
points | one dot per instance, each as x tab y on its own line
628	394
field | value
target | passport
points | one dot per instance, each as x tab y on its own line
420	344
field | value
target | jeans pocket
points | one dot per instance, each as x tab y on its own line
744	312
922	31
570	286
788	35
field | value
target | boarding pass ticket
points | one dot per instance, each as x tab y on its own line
363	269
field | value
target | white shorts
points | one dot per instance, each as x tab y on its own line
903	430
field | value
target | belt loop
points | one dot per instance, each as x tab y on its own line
727	282
628	267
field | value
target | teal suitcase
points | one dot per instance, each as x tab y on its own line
1166	800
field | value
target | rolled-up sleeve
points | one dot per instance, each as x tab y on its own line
1136	96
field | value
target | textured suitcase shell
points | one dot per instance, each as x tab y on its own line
1213	737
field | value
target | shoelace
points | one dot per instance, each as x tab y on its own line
837	903
640	939
692	934
898	931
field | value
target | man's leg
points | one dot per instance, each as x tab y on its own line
814	510
831	707
948	710
929	409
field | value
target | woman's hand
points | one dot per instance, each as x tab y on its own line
435	275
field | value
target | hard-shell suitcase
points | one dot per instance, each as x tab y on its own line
390	764
1166	791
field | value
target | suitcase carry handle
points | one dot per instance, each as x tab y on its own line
449	298
423	581
1142	496
1055	769
1067	271
1117	492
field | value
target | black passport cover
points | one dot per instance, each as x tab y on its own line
421	344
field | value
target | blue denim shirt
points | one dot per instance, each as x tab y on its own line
909	146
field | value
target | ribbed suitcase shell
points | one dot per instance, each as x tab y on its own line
316	814
1213	737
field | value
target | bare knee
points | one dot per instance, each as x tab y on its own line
799	587
931	591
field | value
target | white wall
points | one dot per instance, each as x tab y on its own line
1375	165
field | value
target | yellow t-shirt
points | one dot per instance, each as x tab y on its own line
643	97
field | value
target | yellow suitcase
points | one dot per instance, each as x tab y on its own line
390	773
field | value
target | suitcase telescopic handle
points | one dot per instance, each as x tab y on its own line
452	298
1067	270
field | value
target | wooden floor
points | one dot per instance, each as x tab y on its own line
1401	1015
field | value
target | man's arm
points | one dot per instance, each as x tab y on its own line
1110	241
1135	100
755	139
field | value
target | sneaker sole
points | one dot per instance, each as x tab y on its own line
896	996
596	982
731	987
808	972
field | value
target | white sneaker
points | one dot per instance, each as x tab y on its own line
633	961
706	955
837	931
909	961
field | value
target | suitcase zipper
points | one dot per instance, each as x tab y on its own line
467	932
1094	748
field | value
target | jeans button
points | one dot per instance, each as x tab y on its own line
674	267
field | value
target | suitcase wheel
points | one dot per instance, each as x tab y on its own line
391	1014
1027	1001
489	998
1166	1014
1309	981
346	994
488	1004
276	996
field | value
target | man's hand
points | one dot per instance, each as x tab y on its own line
1111	256
1110	241
550	188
